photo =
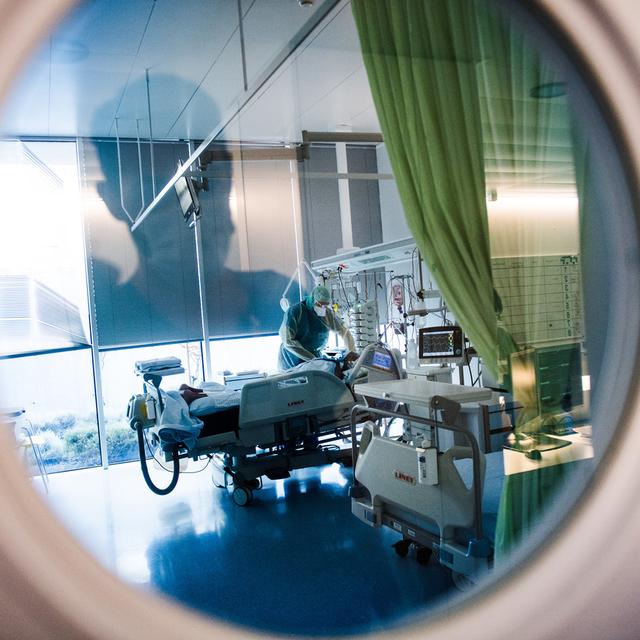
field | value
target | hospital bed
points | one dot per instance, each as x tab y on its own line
432	498
282	422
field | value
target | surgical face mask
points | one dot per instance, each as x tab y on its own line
321	310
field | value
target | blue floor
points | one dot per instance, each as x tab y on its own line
295	561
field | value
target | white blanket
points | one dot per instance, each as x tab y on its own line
157	364
218	398
176	422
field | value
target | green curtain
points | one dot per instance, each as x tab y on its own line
526	126
421	61
524	499
528	152
453	87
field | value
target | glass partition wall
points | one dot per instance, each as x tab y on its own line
125	296
144	287
45	366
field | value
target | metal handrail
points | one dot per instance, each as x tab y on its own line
475	449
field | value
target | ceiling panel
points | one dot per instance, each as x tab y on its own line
327	60
272	116
366	121
322	86
93	69
26	109
267	25
345	105
105	26
185	38
183	43
215	97
84	99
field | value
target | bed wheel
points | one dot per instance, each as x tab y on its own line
461	582
254	483
242	496
423	555
402	547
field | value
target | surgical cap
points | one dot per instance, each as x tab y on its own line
321	294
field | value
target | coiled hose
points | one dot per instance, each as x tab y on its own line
145	469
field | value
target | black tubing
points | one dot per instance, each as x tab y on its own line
145	469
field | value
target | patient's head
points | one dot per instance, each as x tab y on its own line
189	394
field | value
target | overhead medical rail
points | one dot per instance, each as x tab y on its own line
326	175
139	148
122	204
377	255
318	17
204	314
349	137
235	151
153	164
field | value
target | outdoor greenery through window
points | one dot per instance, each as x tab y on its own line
46	366
119	382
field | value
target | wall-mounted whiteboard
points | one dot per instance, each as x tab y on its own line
541	297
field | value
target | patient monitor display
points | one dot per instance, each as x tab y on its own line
441	345
382	360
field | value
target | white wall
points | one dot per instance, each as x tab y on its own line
394	225
533	224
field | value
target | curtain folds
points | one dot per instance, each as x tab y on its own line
526	122
421	61
468	108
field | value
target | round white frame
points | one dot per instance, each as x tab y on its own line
586	581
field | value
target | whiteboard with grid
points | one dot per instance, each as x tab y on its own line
541	297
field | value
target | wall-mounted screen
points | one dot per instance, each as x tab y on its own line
441	345
187	197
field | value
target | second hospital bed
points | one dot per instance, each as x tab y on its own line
283	422
433	497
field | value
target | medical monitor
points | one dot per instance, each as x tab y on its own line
187	197
548	378
441	345
382	360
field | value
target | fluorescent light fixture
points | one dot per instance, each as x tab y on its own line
548	90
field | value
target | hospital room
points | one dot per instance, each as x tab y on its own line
315	314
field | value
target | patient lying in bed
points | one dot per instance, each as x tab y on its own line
198	412
216	406
179	423
212	397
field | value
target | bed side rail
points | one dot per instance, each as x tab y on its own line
277	398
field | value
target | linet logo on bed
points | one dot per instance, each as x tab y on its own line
404	477
295	403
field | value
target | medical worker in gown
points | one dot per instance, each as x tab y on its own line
305	329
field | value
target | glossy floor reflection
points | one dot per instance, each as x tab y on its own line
295	561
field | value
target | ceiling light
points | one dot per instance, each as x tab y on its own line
548	90
69	51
